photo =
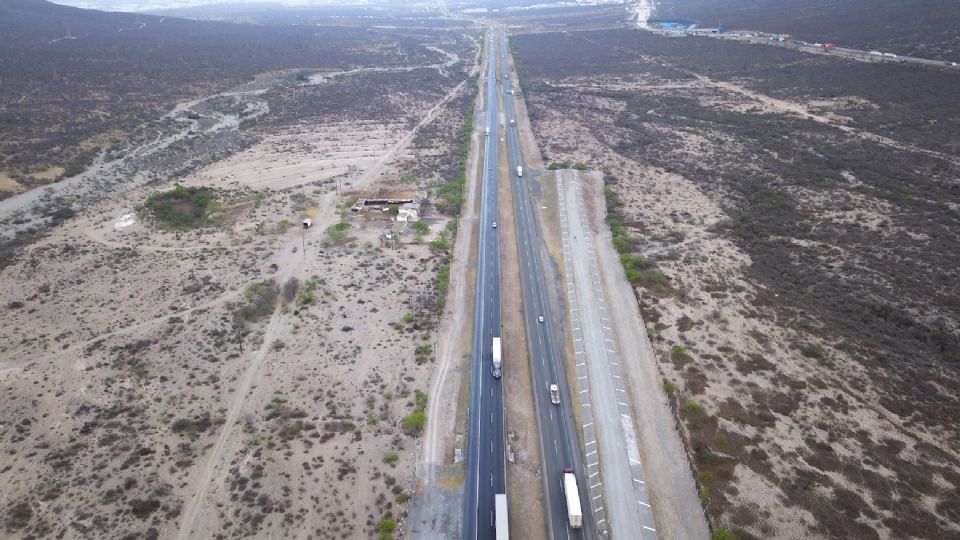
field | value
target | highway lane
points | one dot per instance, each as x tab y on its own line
558	435
485	474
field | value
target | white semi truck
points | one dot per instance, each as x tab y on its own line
497	358
574	513
519	171
500	507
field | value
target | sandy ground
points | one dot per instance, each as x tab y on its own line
743	352
131	405
625	498
673	495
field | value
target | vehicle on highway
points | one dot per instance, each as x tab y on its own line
829	45
497	367
502	521
574	513
519	171
540	319
554	394
488	131
494	224
512	122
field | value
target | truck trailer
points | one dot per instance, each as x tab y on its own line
497	358
574	513
519	171
500	507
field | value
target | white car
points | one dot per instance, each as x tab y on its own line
540	319
494	224
554	394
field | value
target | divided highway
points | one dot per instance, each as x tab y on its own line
558	435
485	474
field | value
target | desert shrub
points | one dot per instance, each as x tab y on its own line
337	231
261	299
290	289
812	350
391	457
420	399
450	196
691	407
192	426
18	515
422	353
143	508
15	304
386	525
283	226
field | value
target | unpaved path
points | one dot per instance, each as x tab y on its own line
669	480
217	457
625	495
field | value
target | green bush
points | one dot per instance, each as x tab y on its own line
385	527
420	399
283	226
415	421
420	227
182	208
337	231
261	299
722	534
391	457
691	407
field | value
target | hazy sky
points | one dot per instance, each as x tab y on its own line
141	5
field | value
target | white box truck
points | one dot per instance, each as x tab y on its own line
519	171
497	358
500	507
574	513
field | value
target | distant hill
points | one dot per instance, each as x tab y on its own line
928	28
68	75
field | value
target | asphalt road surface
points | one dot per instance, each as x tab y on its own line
485	476
558	435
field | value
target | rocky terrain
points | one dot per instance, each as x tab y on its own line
924	28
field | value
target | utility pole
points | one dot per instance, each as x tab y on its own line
239	337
